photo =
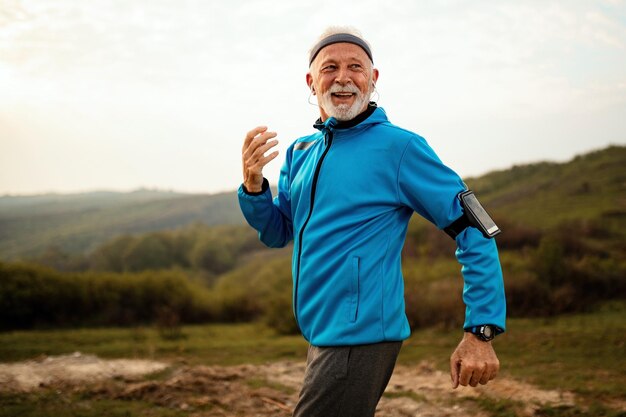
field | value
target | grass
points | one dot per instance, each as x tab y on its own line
582	353
508	408
497	407
52	403
219	344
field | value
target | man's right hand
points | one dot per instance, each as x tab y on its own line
258	141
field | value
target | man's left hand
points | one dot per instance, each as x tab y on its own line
473	362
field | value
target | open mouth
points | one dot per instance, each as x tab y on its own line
343	95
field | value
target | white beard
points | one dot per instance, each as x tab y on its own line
343	112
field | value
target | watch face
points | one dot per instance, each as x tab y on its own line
487	331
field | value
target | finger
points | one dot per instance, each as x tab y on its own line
257	141
260	140
486	377
251	134
260	151
265	160
251	162
258	164
465	375
493	375
476	377
454	372
480	371
493	371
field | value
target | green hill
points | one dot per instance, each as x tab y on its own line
562	250
539	196
543	195
81	222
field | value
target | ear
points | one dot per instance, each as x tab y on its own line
309	82
374	76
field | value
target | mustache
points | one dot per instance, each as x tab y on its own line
348	88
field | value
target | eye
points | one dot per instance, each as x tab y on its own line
356	66
330	67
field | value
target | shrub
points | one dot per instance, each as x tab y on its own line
212	255
213	249
277	304
516	236
433	293
548	261
152	251
261	289
33	296
526	295
437	303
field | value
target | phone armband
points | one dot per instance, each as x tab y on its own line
473	215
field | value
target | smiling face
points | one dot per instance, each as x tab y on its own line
343	79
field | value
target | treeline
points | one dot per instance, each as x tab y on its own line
572	268
213	250
569	268
161	278
33	296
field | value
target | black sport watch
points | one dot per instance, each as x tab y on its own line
486	332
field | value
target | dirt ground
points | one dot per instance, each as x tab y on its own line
256	390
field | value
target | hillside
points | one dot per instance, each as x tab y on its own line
562	251
539	196
590	186
80	222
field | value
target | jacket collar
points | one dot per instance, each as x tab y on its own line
332	123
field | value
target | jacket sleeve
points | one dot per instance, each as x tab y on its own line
270	217
430	188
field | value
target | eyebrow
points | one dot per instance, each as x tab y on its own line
354	58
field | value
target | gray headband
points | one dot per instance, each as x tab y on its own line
339	38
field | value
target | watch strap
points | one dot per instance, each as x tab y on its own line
485	332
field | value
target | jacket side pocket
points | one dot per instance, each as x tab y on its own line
354	290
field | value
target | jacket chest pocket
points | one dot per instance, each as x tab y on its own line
353	298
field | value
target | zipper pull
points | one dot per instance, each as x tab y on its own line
328	126
328	137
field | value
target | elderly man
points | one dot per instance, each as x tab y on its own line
345	196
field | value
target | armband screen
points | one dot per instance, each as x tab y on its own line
477	215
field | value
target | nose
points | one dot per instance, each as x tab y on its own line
343	76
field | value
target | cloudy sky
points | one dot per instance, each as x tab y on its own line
119	95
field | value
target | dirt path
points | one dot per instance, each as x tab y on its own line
263	390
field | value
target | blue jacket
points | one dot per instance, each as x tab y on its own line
345	196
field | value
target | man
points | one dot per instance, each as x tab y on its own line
345	196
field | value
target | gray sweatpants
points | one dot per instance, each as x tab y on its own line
346	381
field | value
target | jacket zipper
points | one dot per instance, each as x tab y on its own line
329	138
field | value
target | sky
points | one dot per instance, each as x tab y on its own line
120	95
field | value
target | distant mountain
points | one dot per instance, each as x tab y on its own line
540	195
80	222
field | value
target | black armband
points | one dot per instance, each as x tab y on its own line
473	215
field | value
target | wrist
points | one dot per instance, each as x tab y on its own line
484	332
255	189
252	188
471	337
